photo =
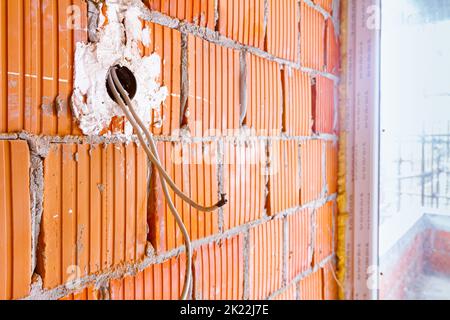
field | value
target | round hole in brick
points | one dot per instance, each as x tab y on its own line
126	79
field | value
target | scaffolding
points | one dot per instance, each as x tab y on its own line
427	177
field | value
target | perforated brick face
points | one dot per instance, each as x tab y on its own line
250	113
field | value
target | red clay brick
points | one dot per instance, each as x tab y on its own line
332	167
264	96
193	168
407	260
300	242
323	240
244	183
242	21
283	29
94	216
440	262
157	282
15	220
311	288
219	270
200	12
312	43
266	259
324	108
297	117
311	171
214	89
32	85
166	43
284	180
442	241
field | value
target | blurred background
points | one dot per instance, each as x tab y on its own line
415	145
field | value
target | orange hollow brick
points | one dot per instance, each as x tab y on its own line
264	96
245	182
219	270
311	287
311	176
266	259
297	116
94	217
313	37
332	167
284	179
214	89
194	170
37	53
323	239
299	255
15	220
166	43
157	282
242	21
330	282
283	29
324	110
199	12
332	49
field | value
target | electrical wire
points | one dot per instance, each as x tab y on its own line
165	179
153	154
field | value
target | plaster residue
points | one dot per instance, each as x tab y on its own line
120	32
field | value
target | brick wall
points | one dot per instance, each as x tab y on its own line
85	217
423	251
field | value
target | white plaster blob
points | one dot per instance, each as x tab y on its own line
117	45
